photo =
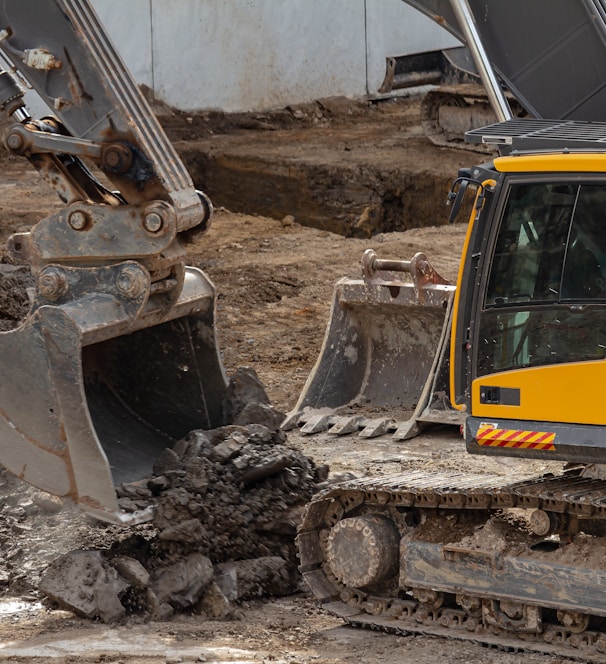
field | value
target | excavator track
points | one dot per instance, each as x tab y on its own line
448	111
516	566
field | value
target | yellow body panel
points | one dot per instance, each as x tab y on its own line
545	163
571	393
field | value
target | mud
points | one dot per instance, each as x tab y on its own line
15	281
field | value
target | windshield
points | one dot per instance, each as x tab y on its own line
545	299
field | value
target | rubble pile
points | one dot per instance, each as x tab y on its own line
227	504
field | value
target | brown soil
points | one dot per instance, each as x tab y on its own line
274	282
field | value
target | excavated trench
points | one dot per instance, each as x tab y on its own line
349	167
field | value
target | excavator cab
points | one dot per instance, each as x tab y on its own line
529	331
117	358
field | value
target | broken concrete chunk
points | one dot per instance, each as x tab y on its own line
228	449
82	582
244	387
192	445
182	584
256	469
131	570
260	413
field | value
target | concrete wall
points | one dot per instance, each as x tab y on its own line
255	54
240	55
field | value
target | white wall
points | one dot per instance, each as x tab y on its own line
247	54
129	25
255	54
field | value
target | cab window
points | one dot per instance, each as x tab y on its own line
545	297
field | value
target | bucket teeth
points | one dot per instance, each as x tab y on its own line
316	424
406	430
378	427
309	423
385	352
345	425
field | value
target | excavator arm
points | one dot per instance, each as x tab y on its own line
117	358
63	52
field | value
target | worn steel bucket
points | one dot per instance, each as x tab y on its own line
98	386
383	366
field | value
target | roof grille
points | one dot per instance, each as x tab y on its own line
525	134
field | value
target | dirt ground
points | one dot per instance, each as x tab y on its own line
274	280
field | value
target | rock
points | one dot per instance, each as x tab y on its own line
260	413
29	506
244	387
192	445
369	223
158	484
243	579
228	448
321	472
214	604
186	531
341	476
182	584
256	469
132	570
47	502
82	582
134	490
339	105
167	461
129	505
261	435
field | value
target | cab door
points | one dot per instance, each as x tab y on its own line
537	325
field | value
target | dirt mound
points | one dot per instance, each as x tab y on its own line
230	496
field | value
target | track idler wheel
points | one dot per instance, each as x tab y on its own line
574	621
363	550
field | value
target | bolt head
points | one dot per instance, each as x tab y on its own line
117	158
52	284
14	141
153	222
78	220
130	282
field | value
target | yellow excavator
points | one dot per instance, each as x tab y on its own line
515	563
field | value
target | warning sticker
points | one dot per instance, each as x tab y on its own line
491	436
